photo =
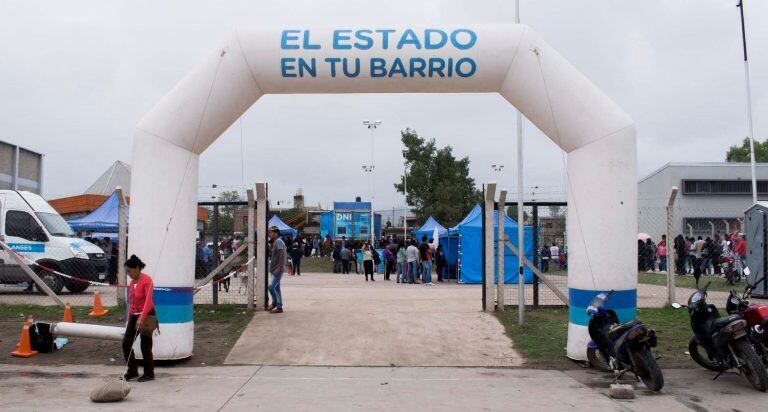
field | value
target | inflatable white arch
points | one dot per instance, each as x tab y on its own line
598	137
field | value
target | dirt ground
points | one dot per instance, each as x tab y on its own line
216	330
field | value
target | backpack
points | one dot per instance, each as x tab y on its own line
41	338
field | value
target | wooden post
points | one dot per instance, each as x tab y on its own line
500	251
490	194
260	292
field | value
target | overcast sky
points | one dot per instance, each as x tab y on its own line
76	77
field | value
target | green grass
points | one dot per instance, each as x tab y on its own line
55	313
318	265
660	279
542	338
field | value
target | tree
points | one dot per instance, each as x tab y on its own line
740	154
512	212
227	213
438	184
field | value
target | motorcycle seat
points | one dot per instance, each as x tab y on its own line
720	323
619	329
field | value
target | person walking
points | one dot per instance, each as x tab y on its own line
345	255
368	261
440	263
297	251
141	321
412	259
276	269
402	267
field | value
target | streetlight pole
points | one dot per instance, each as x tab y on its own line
405	191
372	125
520	203
749	102
368	169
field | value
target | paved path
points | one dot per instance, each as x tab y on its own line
302	388
342	320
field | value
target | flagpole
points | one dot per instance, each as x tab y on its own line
749	102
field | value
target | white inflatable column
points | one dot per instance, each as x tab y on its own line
164	180
601	176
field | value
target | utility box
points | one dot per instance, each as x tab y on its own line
755	225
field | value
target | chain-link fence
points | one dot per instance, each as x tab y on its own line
45	260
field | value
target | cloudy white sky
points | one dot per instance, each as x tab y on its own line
76	76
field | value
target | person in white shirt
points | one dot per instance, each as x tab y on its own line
412	258
554	252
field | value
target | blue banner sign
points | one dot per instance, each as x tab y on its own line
27	247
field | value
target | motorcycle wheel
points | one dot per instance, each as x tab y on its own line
751	365
597	360
700	356
648	370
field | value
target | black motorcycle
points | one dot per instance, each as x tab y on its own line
621	347
722	343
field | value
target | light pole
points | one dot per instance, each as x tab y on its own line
405	191
368	169
749	102
372	125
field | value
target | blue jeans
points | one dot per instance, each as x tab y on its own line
663	263
400	277
413	267
274	290
426	275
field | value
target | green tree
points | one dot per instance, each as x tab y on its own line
740	154
438	183
227	213
512	212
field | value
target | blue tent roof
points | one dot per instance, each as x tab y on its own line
103	219
428	229
284	229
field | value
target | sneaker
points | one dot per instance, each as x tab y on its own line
276	310
145	378
270	307
431	284
130	375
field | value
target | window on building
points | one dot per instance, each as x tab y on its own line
723	187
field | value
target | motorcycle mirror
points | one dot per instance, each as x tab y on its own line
676	305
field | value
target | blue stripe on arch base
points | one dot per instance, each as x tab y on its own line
173	305
624	302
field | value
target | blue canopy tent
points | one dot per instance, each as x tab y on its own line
463	245
103	219
428	229
284	229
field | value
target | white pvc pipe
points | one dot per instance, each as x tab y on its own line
509	59
84	330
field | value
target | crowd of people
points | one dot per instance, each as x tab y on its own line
694	256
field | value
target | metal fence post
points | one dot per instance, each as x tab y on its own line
500	251
251	246
490	194
122	238
536	253
671	252
215	287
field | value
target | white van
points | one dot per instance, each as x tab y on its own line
32	228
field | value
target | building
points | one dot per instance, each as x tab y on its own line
20	169
711	197
351	220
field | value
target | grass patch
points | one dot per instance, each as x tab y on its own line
316	265
660	279
542	338
217	328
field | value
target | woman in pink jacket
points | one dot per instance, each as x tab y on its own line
140	290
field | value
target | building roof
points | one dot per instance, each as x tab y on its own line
698	164
119	174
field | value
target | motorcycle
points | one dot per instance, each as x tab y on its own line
724	341
621	347
756	317
728	266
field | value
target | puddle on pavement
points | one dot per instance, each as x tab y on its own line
43	375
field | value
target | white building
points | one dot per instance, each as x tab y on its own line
20	168
712	197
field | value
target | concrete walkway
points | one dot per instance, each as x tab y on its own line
302	388
342	320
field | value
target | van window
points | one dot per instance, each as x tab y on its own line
55	224
23	225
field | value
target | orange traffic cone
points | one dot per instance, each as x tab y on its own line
98	309
24	348
67	313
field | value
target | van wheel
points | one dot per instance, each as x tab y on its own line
53	281
75	286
